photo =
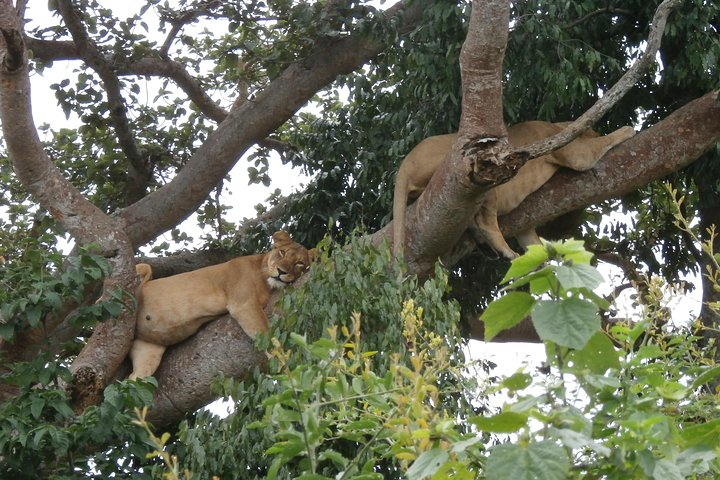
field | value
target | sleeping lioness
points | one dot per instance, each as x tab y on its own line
173	308
419	165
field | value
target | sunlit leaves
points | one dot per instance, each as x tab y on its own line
562	271
535	461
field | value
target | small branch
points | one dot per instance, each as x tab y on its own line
52	50
183	19
191	86
609	9
253	120
139	169
612	96
628	269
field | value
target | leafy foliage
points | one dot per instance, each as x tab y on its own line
41	436
378	362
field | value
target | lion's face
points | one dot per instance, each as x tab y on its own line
287	261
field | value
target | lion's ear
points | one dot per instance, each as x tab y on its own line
280	237
313	255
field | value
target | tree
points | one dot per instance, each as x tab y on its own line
105	182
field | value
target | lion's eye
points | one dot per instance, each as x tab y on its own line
282	252
300	266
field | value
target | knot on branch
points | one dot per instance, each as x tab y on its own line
86	388
14	56
491	162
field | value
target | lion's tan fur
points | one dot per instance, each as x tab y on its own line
173	308
421	163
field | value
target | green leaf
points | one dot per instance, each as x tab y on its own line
704	433
517	381
672	390
573	251
535	256
33	315
36	406
578	275
113	308
666	470
578	440
506	312
706	377
535	461
427	463
7	331
570	322
597	356
336	457
505	422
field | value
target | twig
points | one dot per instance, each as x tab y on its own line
609	9
89	52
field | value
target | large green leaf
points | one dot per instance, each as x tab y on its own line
505	422
597	356
578	275
535	256
506	312
535	461
427	464
570	322
573	250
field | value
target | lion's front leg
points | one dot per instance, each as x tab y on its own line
250	317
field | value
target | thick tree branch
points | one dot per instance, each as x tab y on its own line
52	50
441	213
451	198
167	206
187	368
670	145
652	154
85	222
164	67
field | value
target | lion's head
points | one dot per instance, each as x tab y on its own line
287	260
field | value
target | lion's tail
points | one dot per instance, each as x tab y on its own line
144	273
400	197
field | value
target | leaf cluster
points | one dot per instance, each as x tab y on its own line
41	436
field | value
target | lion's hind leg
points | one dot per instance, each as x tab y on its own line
145	357
583	153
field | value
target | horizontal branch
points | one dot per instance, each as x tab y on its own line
671	144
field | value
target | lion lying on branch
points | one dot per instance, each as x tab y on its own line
421	163
173	308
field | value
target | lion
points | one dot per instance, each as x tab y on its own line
172	309
420	164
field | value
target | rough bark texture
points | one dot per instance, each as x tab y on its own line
481	158
185	373
481	144
652	154
671	144
163	209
